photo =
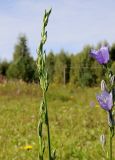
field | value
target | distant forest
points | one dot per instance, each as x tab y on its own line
78	69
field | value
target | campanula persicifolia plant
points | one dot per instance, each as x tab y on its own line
107	97
43	78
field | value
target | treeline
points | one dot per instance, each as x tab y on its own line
78	69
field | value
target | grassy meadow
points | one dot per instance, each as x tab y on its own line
76	122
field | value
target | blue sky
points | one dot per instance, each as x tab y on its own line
73	24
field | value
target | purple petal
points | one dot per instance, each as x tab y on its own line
105	53
105	100
102	55
102	103
110	101
97	55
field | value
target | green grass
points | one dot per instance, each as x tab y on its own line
75	125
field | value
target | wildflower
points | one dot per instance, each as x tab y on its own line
92	104
101	55
27	147
105	100
96	106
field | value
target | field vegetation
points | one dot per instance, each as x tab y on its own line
76	122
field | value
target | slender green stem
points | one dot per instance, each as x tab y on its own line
47	124
110	141
110	144
48	130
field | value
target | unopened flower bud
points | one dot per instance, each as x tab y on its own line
103	140
110	75
103	86
112	80
53	154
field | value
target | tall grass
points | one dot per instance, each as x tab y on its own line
43	77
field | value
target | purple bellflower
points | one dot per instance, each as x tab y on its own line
101	55
105	100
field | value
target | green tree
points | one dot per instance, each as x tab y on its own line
75	67
4	67
112	52
87	76
21	49
23	65
62	68
50	63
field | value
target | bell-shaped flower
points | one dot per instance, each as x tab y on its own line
105	100
101	55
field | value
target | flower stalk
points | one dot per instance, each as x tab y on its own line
43	78
107	97
110	143
111	123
